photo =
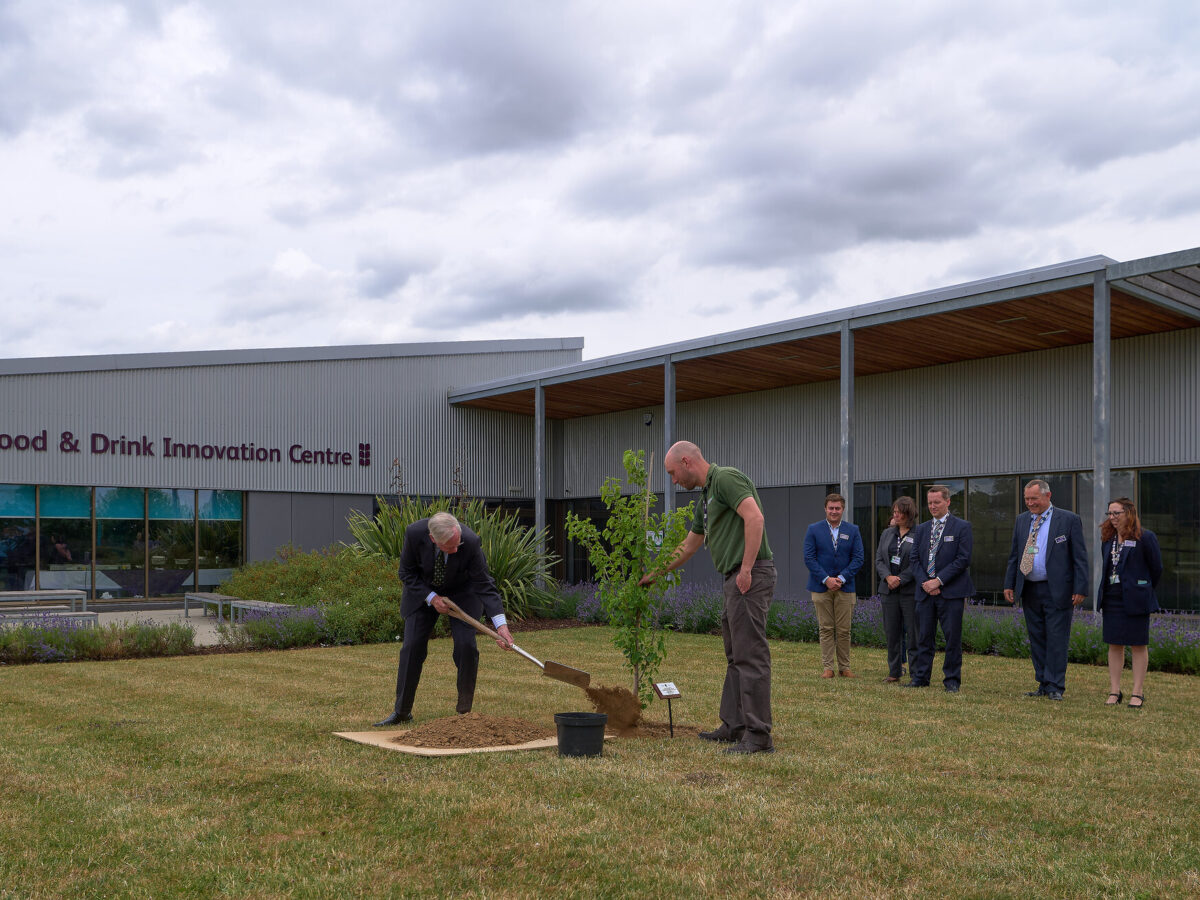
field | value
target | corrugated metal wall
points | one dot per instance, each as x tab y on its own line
397	405
1012	414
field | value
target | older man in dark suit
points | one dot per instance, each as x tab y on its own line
941	560
441	560
1048	572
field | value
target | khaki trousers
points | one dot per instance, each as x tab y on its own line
834	609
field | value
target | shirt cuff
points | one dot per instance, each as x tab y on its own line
500	620
429	599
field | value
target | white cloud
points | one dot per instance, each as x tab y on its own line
269	174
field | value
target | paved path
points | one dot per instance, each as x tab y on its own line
206	626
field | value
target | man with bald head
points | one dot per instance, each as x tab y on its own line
729	519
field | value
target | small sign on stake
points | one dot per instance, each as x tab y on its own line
666	690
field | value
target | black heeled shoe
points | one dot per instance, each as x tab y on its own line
1120	695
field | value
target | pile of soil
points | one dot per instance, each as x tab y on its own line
473	730
623	708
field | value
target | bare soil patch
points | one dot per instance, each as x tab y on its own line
473	730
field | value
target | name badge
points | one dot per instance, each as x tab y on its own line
843	537
1129	544
1114	578
906	540
895	560
948	538
1061	539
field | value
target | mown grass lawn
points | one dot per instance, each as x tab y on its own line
219	776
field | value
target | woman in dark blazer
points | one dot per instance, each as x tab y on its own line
896	588
1132	567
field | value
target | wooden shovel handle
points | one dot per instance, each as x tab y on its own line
474	623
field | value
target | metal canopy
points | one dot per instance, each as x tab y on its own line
1038	309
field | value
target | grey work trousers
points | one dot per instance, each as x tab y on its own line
746	695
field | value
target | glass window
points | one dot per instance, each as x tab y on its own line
18	536
1169	505
66	538
120	542
172	550
992	507
219	531
863	518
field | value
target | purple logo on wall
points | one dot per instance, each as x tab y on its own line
364	454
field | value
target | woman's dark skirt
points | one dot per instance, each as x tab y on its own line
1119	627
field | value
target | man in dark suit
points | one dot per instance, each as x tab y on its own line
941	559
442	560
833	553
1047	571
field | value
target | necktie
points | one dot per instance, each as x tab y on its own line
439	569
935	541
1031	546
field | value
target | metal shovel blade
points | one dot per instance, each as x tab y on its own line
577	677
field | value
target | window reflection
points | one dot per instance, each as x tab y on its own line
219	537
66	547
171	518
120	542
993	505
17	537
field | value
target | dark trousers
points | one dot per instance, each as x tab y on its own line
1049	635
746	695
417	629
932	611
900	627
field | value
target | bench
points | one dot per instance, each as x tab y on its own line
206	600
47	617
38	596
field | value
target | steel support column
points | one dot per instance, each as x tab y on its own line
846	460
668	433
539	470
1101	406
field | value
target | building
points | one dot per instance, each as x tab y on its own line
1086	373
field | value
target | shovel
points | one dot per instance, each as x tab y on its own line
550	669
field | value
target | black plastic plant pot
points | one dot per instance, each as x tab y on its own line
580	733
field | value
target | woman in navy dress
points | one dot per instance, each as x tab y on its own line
1132	567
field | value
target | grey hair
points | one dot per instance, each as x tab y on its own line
1042	486
443	526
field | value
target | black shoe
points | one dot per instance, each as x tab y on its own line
394	719
915	684
1054	695
952	689
1038	693
743	748
719	735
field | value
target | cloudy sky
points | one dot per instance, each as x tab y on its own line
257	173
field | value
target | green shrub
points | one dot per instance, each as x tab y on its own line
358	595
511	549
56	639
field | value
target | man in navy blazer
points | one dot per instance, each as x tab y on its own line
941	560
443	559
1048	572
833	552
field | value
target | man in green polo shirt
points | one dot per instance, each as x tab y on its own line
729	519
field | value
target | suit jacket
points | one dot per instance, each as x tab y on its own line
824	560
1139	567
1066	557
952	562
468	582
883	562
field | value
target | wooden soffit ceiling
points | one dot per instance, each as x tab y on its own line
1041	322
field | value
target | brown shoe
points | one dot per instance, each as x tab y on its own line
828	673
846	673
890	680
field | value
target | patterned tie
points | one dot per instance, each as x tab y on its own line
1031	546
935	541
439	569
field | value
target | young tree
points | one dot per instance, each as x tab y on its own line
635	541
